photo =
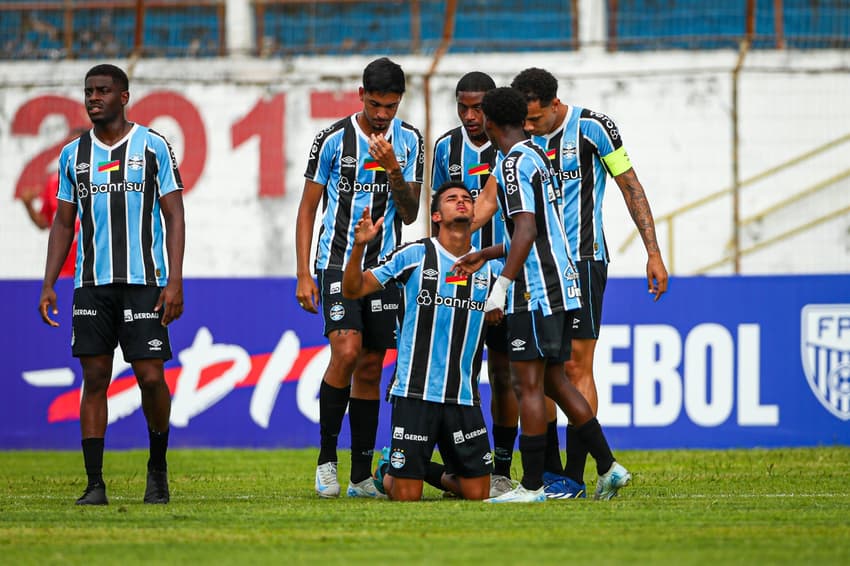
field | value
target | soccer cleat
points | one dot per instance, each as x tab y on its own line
499	485
156	491
365	488
381	470
95	494
519	495
611	481
326	483
562	487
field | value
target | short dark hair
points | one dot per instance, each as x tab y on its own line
476	81
537	85
383	75
505	106
119	77
435	198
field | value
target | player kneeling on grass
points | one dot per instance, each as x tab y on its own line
435	391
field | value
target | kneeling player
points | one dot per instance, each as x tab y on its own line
435	392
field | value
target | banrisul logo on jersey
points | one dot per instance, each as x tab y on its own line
825	350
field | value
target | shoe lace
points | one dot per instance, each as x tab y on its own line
327	473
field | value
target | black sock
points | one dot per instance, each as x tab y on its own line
552	460
504	438
363	416
434	475
576	456
332	404
531	450
93	459
158	447
592	436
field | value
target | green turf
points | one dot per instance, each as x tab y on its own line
252	507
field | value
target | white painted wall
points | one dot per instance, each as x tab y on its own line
673	109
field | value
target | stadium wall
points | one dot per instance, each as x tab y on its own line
242	129
719	361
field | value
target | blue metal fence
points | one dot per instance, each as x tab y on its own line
57	29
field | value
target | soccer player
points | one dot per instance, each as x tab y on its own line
369	159
435	391
540	279
584	147
121	180
465	154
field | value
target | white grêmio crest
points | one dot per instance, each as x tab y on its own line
825	351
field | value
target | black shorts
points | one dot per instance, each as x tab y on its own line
532	336
108	315
585	322
375	316
460	431
496	337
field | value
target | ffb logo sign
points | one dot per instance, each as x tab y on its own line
825	350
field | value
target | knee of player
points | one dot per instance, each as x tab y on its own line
150	380
405	491
345	355
477	491
96	379
579	372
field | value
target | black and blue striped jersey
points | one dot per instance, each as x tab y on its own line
442	333
339	160
456	158
116	190
583	150
548	280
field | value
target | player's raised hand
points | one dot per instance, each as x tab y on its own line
48	302
382	151
365	230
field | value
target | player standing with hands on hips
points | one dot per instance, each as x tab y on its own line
369	159
121	180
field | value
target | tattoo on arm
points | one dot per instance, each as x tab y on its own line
639	209
403	194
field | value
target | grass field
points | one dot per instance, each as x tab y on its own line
254	507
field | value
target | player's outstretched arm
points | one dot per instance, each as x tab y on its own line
472	262
486	204
306	292
638	205
355	283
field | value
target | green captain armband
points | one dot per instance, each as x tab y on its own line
618	161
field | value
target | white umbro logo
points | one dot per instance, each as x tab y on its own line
455	168
430	274
82	168
349	161
518	344
155	344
